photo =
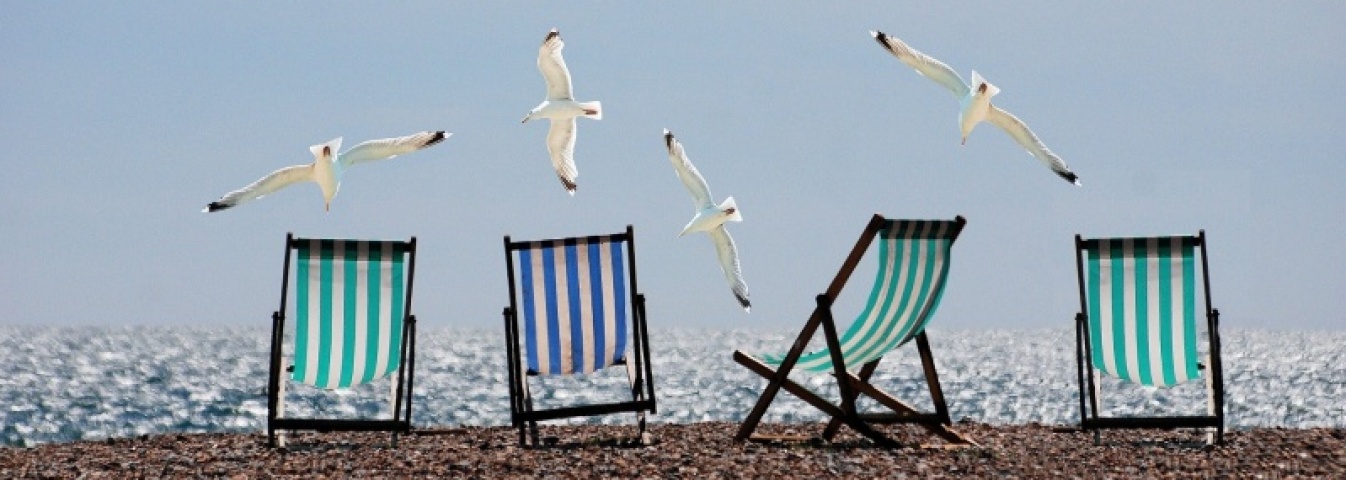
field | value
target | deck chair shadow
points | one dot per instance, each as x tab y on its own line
1138	323
913	266
574	309
352	326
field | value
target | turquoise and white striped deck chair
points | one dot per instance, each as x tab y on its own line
913	267
573	310
1138	322
351	326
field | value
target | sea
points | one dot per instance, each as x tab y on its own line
64	384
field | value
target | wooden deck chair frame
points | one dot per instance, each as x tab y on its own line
936	422
523	415
1090	391
401	382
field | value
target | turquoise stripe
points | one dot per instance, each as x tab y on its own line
373	311
1119	333
394	342
348	338
325	314
1094	281
1189	309
301	341
1140	256
1166	311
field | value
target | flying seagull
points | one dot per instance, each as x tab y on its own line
561	108
327	167
710	218
975	102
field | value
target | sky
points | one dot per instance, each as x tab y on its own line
121	121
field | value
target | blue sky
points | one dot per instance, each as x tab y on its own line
122	120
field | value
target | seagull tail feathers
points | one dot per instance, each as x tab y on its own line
593	110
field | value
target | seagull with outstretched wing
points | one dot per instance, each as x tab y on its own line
561	108
975	103
327	168
710	218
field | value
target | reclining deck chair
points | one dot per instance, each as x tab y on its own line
912	268
1138	322
568	314
352	326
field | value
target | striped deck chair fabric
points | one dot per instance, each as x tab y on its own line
349	311
573	297
913	266
1141	296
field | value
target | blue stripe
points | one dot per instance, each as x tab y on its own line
529	317
399	312
596	300
619	291
576	315
373	284
553	324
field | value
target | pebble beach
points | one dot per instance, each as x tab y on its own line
696	450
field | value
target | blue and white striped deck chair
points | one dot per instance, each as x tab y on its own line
574	309
913	267
1138	322
351	326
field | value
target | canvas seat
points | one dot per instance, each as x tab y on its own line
575	309
352	326
912	271
1138	322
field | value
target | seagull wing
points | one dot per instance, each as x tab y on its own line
692	179
1025	137
553	67
271	182
389	147
724	246
924	64
561	145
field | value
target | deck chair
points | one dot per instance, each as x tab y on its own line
352	326
1138	322
912	269
568	315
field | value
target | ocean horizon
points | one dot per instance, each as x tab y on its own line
65	384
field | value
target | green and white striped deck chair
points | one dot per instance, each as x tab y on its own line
1138	322
351	326
913	267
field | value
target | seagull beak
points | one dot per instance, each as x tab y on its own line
327	207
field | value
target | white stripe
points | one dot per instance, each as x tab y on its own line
385	308
1179	320
361	311
1105	307
315	288
562	308
338	306
540	309
586	304
1152	282
610	301
1129	308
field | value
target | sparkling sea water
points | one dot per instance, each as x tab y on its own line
88	383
